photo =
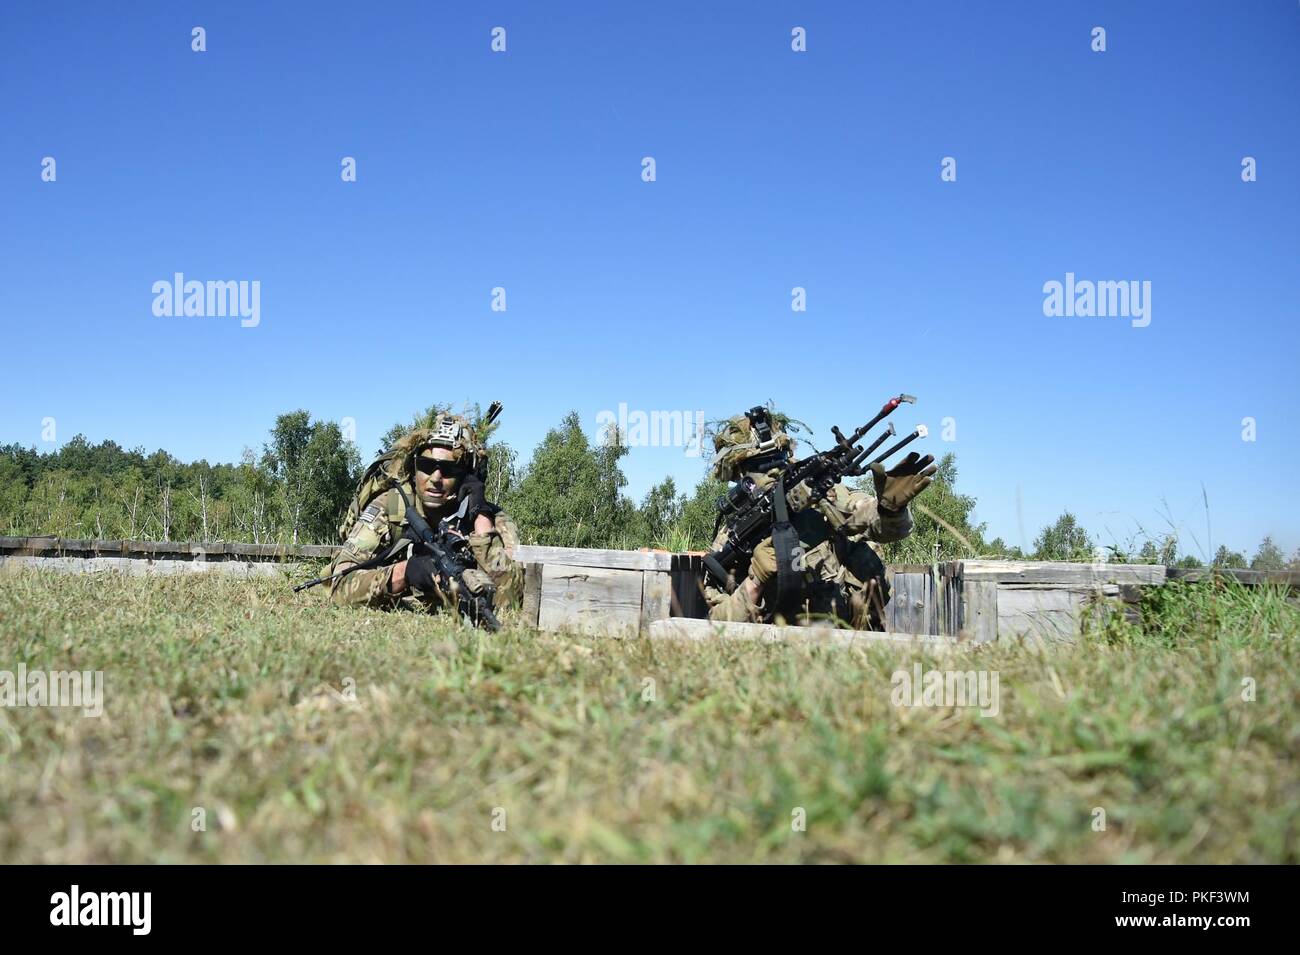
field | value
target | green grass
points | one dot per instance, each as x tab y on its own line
216	698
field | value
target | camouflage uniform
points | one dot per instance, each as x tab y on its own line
842	567
382	522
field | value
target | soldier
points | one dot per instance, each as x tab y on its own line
440	469
839	560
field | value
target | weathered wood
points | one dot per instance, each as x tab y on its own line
979	610
1252	578
1053	614
590	557
532	603
1060	572
593	600
679	628
909	607
656	597
140	565
952	584
161	550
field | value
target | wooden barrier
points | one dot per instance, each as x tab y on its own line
615	593
68	555
631	593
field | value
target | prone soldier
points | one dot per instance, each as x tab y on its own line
439	469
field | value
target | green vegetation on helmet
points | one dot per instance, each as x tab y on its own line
743	438
450	431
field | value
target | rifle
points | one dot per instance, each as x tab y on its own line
753	515
451	558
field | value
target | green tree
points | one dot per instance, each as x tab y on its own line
999	548
1064	540
1229	558
659	514
570	493
314	470
699	516
1268	557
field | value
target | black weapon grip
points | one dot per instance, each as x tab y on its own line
789	582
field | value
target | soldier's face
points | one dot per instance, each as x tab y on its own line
437	476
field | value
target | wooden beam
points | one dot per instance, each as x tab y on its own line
1251	578
679	628
1061	572
656	598
532	594
592	557
979	610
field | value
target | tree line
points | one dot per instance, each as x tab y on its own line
570	492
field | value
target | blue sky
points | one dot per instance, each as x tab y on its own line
775	169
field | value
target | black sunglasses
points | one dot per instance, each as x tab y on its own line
449	469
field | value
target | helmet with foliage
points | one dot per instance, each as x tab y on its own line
754	441
450	431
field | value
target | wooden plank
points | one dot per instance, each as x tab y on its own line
952	584
1051	613
1252	578
679	628
908	610
591	557
979	610
326	551
656	597
141	566
532	594
593	600
1061	572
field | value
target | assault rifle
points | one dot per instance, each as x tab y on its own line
451	558
752	515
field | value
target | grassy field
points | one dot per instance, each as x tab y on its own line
233	698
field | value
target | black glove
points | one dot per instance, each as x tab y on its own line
421	572
473	495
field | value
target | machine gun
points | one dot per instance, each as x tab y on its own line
451	559
752	515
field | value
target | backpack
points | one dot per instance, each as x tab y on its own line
375	481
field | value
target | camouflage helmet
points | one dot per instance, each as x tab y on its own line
450	431
745	438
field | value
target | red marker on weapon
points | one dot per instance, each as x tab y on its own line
885	409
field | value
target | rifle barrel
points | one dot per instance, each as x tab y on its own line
920	432
862	455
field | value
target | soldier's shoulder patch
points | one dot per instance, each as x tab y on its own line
373	512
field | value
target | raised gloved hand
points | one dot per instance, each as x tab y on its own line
897	486
762	566
473	491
